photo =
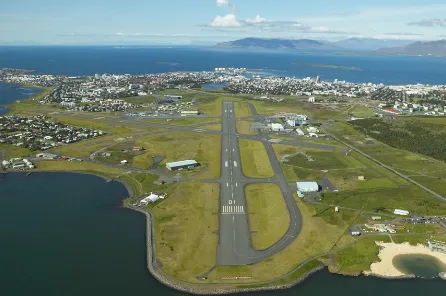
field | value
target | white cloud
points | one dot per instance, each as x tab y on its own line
222	2
227	21
258	19
433	22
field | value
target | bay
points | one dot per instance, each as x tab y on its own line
10	93
89	60
66	234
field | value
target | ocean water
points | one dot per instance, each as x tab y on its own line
83	60
10	93
56	241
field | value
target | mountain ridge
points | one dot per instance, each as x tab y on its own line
352	44
435	48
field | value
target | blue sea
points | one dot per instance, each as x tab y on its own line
89	60
10	93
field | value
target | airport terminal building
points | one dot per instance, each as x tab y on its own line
179	165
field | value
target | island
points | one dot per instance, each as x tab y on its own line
253	187
327	66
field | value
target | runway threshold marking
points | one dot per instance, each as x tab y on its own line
235	163
233	209
226	164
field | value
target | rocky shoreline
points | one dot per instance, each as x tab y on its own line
399	277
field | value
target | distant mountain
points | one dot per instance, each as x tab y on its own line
436	48
260	43
370	43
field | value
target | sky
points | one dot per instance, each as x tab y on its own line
141	22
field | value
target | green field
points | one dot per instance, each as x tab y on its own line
82	167
242	110
179	145
268	215
358	257
409	197
244	128
185	226
363	112
255	161
8	151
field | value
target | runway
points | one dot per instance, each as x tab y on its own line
234	246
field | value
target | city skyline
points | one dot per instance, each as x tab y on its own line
210	21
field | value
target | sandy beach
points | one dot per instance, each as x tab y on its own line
388	251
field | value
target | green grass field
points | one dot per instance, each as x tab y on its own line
8	151
410	198
185	226
268	215
83	167
212	127
242	110
358	257
255	161
363	112
179	145
244	128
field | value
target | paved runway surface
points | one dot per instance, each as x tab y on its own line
234	245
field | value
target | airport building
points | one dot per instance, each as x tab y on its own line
303	187
401	212
179	165
277	127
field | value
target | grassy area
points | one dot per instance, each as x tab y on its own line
83	167
358	257
410	198
323	160
8	151
403	161
212	127
268	216
189	121
437	184
255	160
363	111
242	110
417	136
315	111
211	105
179	145
244	128
185	227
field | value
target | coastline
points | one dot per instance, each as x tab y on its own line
179	285
385	269
174	283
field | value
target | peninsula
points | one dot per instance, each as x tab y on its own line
327	66
252	187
